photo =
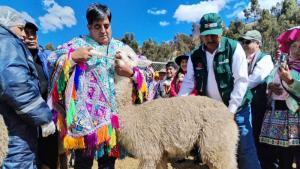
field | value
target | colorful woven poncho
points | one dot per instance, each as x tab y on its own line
83	97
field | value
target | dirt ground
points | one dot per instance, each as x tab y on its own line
130	163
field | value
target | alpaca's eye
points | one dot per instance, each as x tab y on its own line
129	57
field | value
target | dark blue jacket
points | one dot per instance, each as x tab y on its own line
21	104
43	55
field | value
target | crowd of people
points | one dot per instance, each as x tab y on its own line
57	101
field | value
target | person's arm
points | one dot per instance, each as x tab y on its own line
295	86
262	69
292	84
240	74
18	87
188	83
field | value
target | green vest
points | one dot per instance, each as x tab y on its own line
222	69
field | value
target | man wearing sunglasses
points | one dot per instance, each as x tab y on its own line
260	66
218	68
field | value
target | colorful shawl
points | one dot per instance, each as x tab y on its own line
83	97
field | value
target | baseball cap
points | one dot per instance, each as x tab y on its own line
252	35
211	24
31	25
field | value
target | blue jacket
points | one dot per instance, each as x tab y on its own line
43	55
21	104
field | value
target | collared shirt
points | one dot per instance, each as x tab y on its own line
240	74
259	71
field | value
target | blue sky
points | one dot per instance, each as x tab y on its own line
61	20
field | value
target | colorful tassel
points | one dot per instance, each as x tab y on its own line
76	78
102	134
115	122
71	112
74	143
113	139
90	141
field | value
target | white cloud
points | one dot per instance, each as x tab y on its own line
57	17
239	4
236	13
193	13
48	3
267	4
157	12
240	15
264	4
164	23
28	17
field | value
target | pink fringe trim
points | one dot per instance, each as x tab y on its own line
115	122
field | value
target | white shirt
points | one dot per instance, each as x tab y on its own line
240	75
262	69
212	91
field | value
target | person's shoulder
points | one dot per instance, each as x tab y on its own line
7	37
229	40
117	42
264	54
78	40
73	42
44	52
10	42
196	50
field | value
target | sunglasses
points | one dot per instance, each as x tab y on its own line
247	42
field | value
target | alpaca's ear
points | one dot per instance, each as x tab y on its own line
144	63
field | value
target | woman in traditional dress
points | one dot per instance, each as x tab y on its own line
282	121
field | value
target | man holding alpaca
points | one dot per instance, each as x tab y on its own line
218	68
86	67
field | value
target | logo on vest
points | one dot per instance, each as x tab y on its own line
224	62
199	66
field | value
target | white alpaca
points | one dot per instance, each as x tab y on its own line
165	128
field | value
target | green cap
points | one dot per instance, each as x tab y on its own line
252	35
211	24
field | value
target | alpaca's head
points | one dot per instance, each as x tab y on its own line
123	84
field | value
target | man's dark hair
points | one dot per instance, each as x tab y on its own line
96	12
171	64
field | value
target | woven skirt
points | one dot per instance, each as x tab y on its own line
280	126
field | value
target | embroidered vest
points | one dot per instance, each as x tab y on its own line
222	69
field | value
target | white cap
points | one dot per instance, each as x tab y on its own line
10	17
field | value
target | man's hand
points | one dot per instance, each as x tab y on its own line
275	88
285	74
48	129
122	68
82	54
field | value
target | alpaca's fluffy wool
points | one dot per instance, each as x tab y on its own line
166	128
